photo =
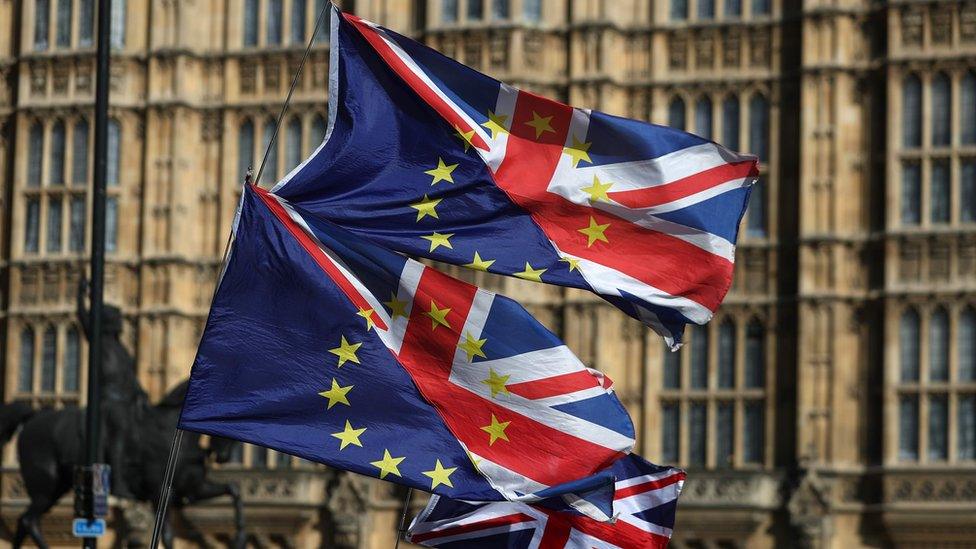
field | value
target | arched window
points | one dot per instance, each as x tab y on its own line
724	434
908	428
270	174
476	10
753	432
730	122
726	355
966	428
76	227
42	15
698	431
273	22
967	117
755	366
79	153
55	173
317	133
298	21
49	359
449	11
35	152
679	10
756	213
259	457
938	427
72	361
500	9
966	345
759	127
939	346
670	432
322	34
111	223
117	26
939	191
967	191
114	157
53	224
733	9
908	338
941	110
672	369
676	113
293	144
251	22
245	148
706	9
63	39
760	7
911	112
532	10
911	193
86	23
25	374
699	358
32	220
703	117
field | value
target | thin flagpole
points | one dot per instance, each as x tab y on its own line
403	518
167	487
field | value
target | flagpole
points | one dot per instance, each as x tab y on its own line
403	517
165	490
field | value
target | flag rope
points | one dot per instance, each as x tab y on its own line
403	518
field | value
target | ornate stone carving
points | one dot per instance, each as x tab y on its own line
249	77
211	128
909	262
704	51
911	26
967	22
320	74
809	508
967	257
59	81
759	48
83	80
731	48
472	53
533	49
498	51
272	76
929	488
939	261
677	51
348	496
940	24
38	81
116	79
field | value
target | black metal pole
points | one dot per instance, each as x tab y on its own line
92	412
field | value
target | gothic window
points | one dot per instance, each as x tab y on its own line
53	224
111	223
939	346
79	153
755	366
270	174
449	11
670	432
703	117
245	148
672	369
297	21
966	346
699	359
86	23
55	173
322	34
317	135
49	359
63	39
251	22
911	193
76	225
759	127
941	110
908	340
25	374
939	192
679	10
282	460
760	7
966	443
756	218
908	428
911	112
733	9
273	22
259	457
724	434
938	428
72	361
730	122
726	355
475	10
532	9
499	9
113	159
706	9
967	105
32	222
676	114
293	144
967	191
35	147
42	14
697	430
117	26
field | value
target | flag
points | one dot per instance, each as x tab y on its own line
431	158
323	345
644	505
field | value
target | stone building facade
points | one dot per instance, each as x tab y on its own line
831	403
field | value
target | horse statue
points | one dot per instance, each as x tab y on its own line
51	444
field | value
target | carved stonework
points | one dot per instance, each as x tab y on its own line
967	22
809	508
272	76
498	51
533	49
212	126
910	267
911	27
704	51
83	80
347	504
967	257
249	77
731	46
38	81
472	53
930	489
320	74
759	48
59	81
116	79
941	25
939	261
678	51
449	47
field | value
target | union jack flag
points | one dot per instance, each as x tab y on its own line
644	507
432	158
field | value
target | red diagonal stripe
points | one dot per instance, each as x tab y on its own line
682	188
553	386
648	486
317	254
619	533
419	86
486	524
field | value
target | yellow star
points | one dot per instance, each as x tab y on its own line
397	307
388	464
573	263
349	436
531	274
472	346
438	317
440	475
594	232
368	315
541	124
496	430
346	351
466	137
496	124
426	207
442	172
479	264
598	191
437	240
496	383
579	151
337	394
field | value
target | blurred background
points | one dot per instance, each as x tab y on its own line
831	403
